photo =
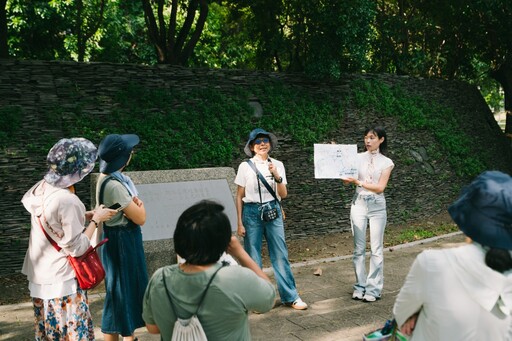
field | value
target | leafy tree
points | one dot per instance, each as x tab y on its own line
225	42
123	37
320	37
83	20
481	41
459	39
54	29
35	30
87	22
174	41
4	50
337	36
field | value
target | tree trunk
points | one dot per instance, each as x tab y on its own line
188	48
174	46
504	76
79	35
4	50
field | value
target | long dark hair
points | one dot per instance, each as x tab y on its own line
381	133
498	259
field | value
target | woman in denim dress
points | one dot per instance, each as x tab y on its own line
369	207
123	256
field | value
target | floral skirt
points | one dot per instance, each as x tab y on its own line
64	318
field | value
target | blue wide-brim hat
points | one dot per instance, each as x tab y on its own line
114	151
484	210
252	137
69	161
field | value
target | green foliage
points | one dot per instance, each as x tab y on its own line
123	37
214	50
414	233
201	128
415	113
35	30
337	36
293	112
9	124
207	127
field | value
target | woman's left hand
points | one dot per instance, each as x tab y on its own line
408	327
102	213
349	180
273	170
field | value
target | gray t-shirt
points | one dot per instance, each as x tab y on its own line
114	192
234	291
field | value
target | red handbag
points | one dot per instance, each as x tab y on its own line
88	269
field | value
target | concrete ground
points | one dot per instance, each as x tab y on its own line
332	314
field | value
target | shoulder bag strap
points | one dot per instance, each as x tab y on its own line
202	295
262	179
54	244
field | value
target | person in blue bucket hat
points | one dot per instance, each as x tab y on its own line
465	293
259	212
123	256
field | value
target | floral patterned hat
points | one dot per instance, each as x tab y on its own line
69	161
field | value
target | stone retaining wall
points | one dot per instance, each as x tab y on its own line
420	186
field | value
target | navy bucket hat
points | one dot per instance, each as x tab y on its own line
69	161
114	151
484	210
252	137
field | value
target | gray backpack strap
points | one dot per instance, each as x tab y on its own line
202	295
102	189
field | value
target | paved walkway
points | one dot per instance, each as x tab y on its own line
332	314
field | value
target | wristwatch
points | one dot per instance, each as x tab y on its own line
278	181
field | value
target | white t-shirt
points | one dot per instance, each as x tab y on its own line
247	178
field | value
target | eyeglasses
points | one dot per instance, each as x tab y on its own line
261	140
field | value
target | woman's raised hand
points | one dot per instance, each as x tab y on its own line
102	213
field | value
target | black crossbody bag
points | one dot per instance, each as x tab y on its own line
268	213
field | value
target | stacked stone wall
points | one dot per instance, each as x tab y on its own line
420	186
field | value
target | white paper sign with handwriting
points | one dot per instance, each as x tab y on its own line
335	161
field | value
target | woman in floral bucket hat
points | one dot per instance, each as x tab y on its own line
60	306
465	293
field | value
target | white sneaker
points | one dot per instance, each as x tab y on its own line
357	295
369	298
299	304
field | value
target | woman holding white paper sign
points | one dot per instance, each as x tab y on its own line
369	206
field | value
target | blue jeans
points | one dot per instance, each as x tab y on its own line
368	209
255	229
